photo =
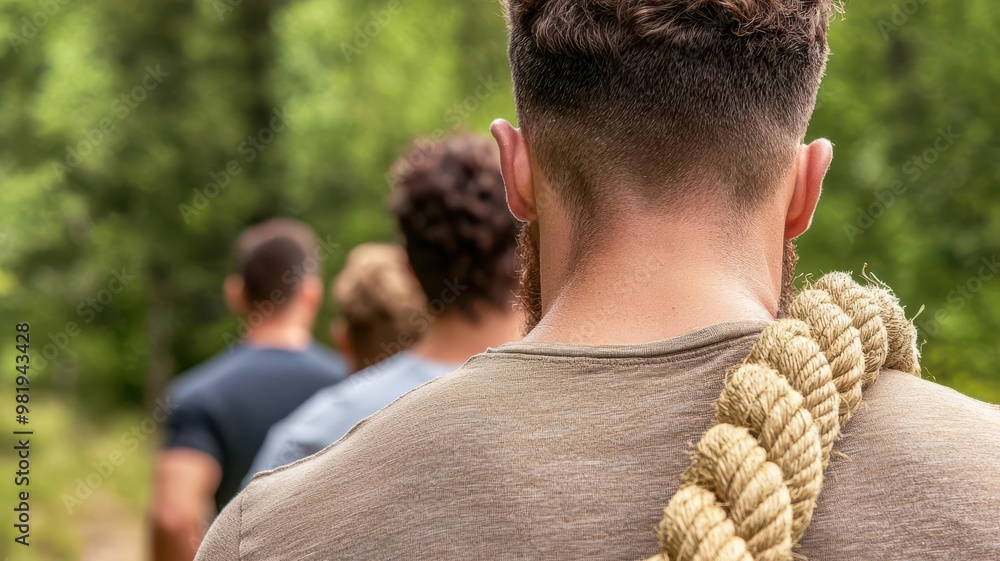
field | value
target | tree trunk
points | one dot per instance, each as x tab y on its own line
161	337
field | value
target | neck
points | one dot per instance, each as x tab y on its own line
281	332
660	279
452	337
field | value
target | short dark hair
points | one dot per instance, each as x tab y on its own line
271	258
665	93
450	205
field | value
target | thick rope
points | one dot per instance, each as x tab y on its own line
903	354
866	316
786	346
701	529
758	398
833	329
729	462
757	473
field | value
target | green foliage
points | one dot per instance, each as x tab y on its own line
353	81
897	81
90	484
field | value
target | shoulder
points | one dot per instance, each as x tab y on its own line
315	366
328	359
907	425
355	480
313	416
918	459
204	376
329	401
917	410
418	418
364	399
391	377
200	387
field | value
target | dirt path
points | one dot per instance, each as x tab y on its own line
109	531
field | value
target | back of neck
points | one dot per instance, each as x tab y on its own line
660	280
280	333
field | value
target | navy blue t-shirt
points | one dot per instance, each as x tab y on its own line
225	406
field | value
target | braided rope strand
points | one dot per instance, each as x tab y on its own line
785	345
729	462
758	398
833	329
903	353
866	316
757	473
700	530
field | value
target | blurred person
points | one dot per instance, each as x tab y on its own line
662	173
222	409
376	295
460	237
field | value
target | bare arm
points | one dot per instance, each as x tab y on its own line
184	485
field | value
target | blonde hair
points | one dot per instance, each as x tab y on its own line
378	297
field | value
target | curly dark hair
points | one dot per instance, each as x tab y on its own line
450	205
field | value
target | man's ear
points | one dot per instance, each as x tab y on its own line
814	161
232	291
311	292
515	165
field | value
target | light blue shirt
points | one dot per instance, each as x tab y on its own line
332	412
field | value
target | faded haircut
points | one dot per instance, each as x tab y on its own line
665	96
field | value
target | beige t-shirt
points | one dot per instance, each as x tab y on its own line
556	452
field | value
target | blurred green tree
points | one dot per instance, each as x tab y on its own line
136	141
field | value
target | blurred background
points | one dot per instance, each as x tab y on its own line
138	139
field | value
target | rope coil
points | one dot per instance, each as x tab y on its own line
756	475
